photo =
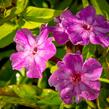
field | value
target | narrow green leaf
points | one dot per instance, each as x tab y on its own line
104	80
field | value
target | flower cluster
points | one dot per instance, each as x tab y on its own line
74	79
83	28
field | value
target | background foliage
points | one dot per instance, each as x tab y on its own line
16	90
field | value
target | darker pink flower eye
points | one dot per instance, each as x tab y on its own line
34	51
86	27
76	78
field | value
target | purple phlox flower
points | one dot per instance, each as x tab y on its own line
32	52
59	32
76	79
85	27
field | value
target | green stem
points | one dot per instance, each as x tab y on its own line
104	80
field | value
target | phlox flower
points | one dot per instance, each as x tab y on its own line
83	28
32	52
76	80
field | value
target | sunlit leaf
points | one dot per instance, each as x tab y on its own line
7	32
85	3
50	97
34	17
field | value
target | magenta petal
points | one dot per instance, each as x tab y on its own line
89	93
66	95
47	49
75	38
92	69
101	25
24	39
85	37
99	39
66	14
18	60
42	36
40	62
34	71
95	85
57	77
60	36
67	18
87	14
73	62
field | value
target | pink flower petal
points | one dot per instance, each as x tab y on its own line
18	60
87	14
89	93
24	39
34	71
92	69
46	49
73	62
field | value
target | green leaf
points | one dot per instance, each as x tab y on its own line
6	53
15	100
31	25
7	75
26	95
53	69
37	3
34	17
21	5
104	80
26	91
85	3
101	101
5	3
64	4
60	52
89	51
43	82
7	32
102	7
50	97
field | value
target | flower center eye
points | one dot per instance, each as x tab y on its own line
34	51
86	27
76	78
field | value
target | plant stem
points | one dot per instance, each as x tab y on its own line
104	80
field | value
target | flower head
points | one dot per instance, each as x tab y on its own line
76	80
32	52
85	27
